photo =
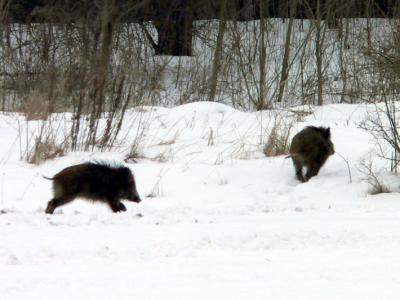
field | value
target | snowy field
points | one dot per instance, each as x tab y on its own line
218	219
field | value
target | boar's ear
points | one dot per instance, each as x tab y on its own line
327	133
126	173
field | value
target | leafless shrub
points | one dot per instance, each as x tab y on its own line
375	183
82	67
382	120
347	165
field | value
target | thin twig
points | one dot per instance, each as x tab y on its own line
347	163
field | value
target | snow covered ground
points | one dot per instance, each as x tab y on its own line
218	219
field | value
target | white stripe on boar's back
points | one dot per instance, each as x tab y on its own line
97	181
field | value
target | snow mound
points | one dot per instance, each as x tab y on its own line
218	220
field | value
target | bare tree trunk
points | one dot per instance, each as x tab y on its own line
100	68
262	101
237	47
78	99
318	53
218	52
302	67
4	4
174	27
286	56
344	33
368	29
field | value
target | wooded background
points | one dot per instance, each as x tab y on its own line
173	19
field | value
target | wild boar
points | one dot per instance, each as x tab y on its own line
97	181
310	148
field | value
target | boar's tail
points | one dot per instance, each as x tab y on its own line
48	178
294	155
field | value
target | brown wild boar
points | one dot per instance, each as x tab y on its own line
95	181
310	148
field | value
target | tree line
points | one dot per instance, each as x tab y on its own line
173	19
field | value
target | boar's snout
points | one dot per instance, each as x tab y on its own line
332	149
135	198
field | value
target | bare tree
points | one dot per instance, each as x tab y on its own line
286	55
101	67
218	51
319	40
262	102
343	46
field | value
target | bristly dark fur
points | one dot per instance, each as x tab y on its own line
105	163
310	148
110	165
324	131
94	180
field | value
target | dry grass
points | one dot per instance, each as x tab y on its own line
210	141
157	190
136	148
36	107
377	187
44	150
42	140
278	139
134	154
375	183
301	114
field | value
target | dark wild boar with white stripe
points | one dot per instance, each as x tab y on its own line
97	181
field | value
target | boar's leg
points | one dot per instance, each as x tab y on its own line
299	169
115	205
50	207
56	202
122	206
312	170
